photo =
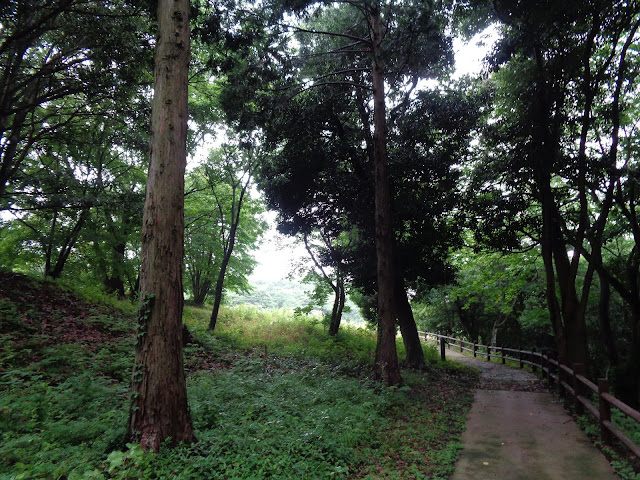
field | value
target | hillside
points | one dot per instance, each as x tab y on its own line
39	317
267	395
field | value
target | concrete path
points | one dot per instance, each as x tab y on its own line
518	431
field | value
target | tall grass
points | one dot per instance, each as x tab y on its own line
282	332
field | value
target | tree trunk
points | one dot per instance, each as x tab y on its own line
200	287
573	314
10	160
228	251
199	296
494	332
339	294
48	251
626	379
338	306
408	329
217	299
114	283
217	295
567	316
606	334
159	407
387	368
634	361
66	248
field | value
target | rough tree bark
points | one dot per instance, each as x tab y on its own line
159	406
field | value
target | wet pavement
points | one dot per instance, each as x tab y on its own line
516	430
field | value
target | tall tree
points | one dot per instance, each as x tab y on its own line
386	366
235	170
349	52
214	209
159	408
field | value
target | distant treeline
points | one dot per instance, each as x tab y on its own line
287	294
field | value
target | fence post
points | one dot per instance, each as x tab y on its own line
534	369
475	350
578	390
605	410
443	355
544	366
520	357
460	342
488	353
503	359
561	375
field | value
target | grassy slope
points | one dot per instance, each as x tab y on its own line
271	397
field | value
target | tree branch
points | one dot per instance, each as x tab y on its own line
322	84
357	39
341	72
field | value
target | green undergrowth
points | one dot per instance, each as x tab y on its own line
624	462
271	396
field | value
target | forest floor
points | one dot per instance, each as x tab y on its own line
517	430
271	395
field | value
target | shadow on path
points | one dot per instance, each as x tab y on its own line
518	431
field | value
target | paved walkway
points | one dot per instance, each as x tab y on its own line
518	431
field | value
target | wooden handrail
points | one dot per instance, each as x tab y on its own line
571	380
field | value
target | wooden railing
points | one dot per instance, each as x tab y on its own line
571	382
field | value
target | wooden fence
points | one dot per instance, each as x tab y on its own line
571	383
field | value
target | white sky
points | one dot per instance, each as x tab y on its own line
469	55
277	254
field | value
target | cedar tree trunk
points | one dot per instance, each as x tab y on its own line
159	406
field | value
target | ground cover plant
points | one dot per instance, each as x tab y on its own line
271	396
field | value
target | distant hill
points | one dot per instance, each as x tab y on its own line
287	294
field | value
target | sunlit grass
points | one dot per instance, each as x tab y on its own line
281	332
